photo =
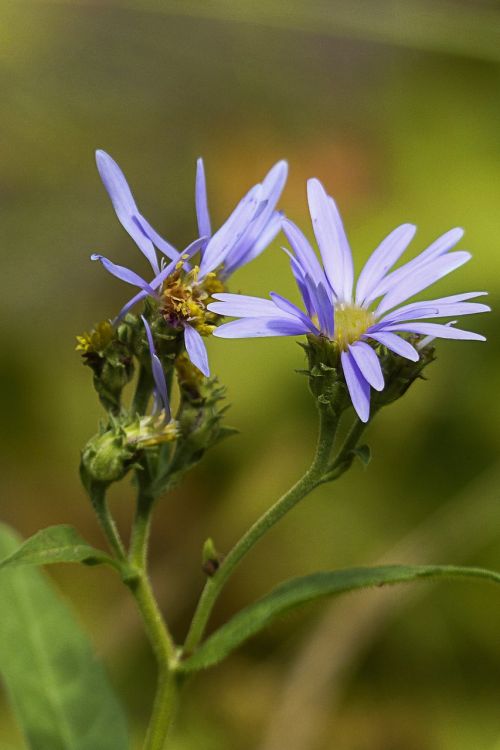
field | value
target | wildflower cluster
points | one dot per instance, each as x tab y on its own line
366	342
361	336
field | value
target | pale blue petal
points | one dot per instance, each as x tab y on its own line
452	298
381	261
124	274
332	240
422	278
165	247
288	307
201	200
251	251
395	343
424	310
304	253
322	306
348	273
324	310
358	387
368	363
230	232
242	305
124	204
264	227
437	330
274	181
157	370
299	277
261	327
196	349
438	248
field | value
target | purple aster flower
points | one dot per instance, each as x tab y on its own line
249	229
356	317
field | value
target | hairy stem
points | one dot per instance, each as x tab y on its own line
164	651
156	629
143	391
311	479
106	520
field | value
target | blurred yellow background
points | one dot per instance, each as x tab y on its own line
395	106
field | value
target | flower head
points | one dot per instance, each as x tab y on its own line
182	291
348	314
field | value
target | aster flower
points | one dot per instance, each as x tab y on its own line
348	315
181	291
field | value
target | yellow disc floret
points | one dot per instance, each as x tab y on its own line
185	299
351	322
96	340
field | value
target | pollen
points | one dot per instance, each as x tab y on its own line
351	322
185	299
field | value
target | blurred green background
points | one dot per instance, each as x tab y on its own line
396	107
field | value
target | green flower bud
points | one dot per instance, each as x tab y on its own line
107	456
107	352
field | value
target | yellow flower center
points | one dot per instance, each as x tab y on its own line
351	322
185	299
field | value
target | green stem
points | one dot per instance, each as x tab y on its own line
156	629
345	455
143	391
311	479
165	653
106	521
140	531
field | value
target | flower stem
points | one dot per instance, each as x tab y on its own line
140	530
106	520
156	629
165	653
142	391
311	479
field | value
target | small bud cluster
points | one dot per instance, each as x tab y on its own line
139	436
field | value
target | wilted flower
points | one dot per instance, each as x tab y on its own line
348	317
182	292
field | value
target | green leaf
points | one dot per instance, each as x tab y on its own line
56	544
57	688
298	591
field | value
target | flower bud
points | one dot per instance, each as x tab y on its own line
199	418
107	352
107	456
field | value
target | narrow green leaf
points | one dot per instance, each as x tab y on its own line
298	591
56	544
57	688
